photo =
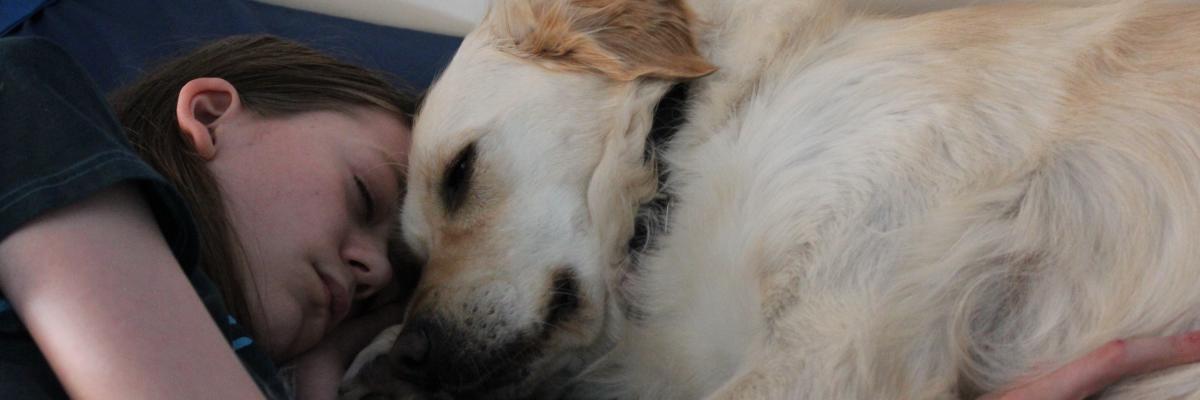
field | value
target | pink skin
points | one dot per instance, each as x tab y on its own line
1106	366
314	248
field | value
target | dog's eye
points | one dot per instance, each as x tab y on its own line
564	297
458	178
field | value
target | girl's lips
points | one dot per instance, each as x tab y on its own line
339	300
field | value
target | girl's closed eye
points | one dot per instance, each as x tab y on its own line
368	202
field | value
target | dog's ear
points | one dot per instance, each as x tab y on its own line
622	39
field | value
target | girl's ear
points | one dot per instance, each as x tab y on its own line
203	104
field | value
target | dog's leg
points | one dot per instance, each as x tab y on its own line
1013	280
765	381
1020	279
833	371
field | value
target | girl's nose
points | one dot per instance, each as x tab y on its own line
367	258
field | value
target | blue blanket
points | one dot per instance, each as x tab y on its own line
116	39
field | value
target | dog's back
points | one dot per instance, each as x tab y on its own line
927	207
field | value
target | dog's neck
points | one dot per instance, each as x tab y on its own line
670	113
742	39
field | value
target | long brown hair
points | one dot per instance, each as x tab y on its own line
274	78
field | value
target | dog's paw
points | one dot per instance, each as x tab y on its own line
370	376
379	346
376	381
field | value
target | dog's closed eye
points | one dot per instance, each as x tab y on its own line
564	297
457	179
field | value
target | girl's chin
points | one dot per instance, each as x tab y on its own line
304	339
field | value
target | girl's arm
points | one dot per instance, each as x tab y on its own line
1106	366
111	309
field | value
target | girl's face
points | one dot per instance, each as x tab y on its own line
313	199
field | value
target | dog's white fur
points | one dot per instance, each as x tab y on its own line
866	207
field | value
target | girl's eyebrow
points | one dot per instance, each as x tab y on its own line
396	167
400	174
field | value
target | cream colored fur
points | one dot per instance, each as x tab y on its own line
867	207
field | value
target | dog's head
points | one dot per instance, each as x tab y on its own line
525	174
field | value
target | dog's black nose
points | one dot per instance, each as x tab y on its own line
412	347
410	354
436	355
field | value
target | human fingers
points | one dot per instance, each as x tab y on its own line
1108	364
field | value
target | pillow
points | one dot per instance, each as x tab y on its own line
117	39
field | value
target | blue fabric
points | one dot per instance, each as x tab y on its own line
13	12
117	39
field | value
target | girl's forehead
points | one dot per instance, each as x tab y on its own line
372	135
383	137
383	131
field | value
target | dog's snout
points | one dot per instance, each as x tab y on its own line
438	354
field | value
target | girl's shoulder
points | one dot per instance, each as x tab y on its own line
59	142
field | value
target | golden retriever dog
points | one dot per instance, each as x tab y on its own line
800	199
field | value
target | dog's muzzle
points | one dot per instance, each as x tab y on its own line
440	357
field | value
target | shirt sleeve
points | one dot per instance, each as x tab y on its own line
60	143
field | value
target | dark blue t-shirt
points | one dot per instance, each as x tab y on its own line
60	143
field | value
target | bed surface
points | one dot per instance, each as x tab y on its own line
449	17
116	40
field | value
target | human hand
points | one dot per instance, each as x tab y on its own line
1106	366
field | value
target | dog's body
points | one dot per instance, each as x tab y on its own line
921	207
924	207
